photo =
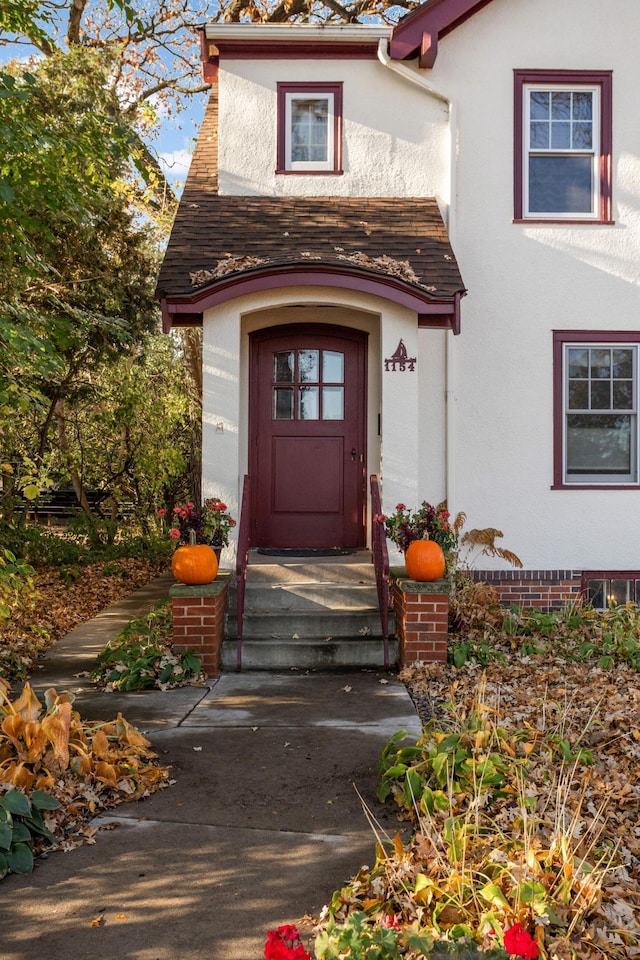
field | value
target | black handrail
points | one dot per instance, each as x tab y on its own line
242	559
380	557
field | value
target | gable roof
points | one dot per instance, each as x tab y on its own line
224	246
418	33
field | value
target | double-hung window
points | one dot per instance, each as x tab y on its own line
309	128
562	146
596	408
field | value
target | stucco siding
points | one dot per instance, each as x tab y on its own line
394	138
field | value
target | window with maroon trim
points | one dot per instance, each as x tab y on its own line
563	137
309	128
596	408
611	588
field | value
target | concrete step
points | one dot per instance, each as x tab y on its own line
302	624
318	613
309	654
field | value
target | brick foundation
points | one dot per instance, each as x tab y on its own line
421	618
198	620
544	589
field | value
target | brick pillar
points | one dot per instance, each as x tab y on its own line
421	618
198	620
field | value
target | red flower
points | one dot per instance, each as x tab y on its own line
400	506
161	512
285	944
174	533
390	920
520	943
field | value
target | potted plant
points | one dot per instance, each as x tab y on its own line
200	533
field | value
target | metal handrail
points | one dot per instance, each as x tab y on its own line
380	557
242	559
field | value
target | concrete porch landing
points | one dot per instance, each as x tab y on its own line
308	613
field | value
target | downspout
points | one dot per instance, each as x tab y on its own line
420	81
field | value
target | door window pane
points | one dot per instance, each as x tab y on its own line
283	365
283	403
308	403
333	403
332	367
308	366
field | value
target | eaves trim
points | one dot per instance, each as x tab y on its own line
187	309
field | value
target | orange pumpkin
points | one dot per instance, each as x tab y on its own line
195	564
424	560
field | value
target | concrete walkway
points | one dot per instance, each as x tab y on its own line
262	824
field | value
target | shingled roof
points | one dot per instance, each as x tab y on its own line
222	246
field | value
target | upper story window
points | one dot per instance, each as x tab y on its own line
309	128
596	408
562	146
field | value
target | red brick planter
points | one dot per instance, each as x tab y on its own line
421	617
198	620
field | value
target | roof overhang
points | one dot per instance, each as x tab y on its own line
188	309
419	32
301	41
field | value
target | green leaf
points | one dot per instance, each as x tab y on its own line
44	801
20	858
6	835
494	895
16	803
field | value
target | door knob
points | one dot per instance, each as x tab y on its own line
354	453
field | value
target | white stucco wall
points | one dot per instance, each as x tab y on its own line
394	138
526	280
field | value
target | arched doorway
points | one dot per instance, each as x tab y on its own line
307	456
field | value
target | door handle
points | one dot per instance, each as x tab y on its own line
354	453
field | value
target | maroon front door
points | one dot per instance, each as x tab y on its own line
307	437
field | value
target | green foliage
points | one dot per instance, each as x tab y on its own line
20	823
16	582
484	632
360	939
37	546
141	658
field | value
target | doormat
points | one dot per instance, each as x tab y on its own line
275	552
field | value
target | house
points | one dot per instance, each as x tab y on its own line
415	253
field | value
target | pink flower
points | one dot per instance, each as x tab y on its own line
390	920
174	533
161	512
520	943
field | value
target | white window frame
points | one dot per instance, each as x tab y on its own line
290	99
594	153
600	479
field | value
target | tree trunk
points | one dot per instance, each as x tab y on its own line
63	441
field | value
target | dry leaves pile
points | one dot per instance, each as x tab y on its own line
583	755
60	601
87	767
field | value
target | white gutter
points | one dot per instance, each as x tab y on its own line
420	81
295	32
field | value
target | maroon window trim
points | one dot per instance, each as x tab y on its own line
601	78
560	338
336	90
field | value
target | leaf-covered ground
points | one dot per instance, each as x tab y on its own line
64	598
